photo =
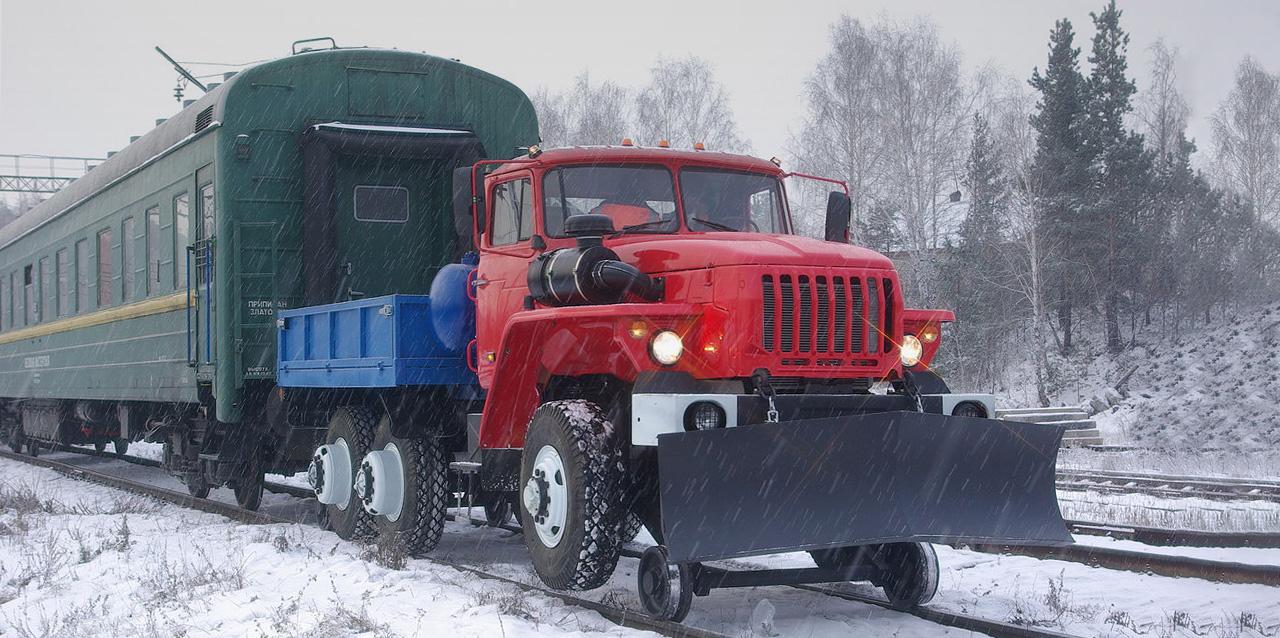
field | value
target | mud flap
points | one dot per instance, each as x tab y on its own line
853	480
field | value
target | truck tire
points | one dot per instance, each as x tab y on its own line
570	480
353	425
248	490
425	493
630	527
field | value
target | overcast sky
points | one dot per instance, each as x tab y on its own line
78	78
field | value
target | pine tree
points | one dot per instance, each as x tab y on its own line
1118	172
1058	176
976	277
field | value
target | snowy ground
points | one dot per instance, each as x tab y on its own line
69	568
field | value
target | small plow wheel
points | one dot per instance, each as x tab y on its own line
666	589
911	573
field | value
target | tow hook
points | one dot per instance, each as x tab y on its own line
760	378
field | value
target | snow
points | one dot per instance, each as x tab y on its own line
195	573
1200	387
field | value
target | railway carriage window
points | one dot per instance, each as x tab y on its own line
32	313
181	239
206	211
382	204
82	276
512	212
126	260
62	263
153	249
105	296
6	305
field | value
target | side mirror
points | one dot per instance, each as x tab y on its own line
463	219
839	208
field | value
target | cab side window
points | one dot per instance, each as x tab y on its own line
512	204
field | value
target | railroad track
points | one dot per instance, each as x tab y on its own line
620	616
1170	485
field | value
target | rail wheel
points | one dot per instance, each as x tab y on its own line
197	486
33	447
248	490
500	512
333	468
666	589
403	483
571	473
909	573
15	438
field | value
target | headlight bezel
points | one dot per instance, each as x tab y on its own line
910	351
666	347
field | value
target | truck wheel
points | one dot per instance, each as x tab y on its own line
99	446
333	468
121	446
910	573
630	528
403	484
500	512
571	473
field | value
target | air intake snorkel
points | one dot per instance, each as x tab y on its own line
589	273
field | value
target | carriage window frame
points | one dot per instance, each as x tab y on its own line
355	204
106	268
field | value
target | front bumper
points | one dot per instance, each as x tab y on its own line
657	413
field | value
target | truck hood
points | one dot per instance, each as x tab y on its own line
666	254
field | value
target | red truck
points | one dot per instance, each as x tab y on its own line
655	346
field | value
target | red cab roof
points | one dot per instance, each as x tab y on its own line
642	154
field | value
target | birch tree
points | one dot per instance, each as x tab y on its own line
685	104
1246	137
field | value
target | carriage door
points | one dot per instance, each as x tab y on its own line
206	339
390	236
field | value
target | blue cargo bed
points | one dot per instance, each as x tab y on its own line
379	342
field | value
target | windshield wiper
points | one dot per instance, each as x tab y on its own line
715	225
649	224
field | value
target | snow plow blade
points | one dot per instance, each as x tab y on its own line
857	480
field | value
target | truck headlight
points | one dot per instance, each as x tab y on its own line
910	351
666	347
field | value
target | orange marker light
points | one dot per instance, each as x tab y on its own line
638	330
664	144
929	334
699	146
626	141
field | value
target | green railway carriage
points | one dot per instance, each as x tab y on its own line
142	297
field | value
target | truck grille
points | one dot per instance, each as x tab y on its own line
809	313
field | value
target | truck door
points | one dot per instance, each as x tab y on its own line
504	263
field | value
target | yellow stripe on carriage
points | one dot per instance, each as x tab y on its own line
144	308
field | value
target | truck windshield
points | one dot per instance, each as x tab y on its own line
720	200
639	198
